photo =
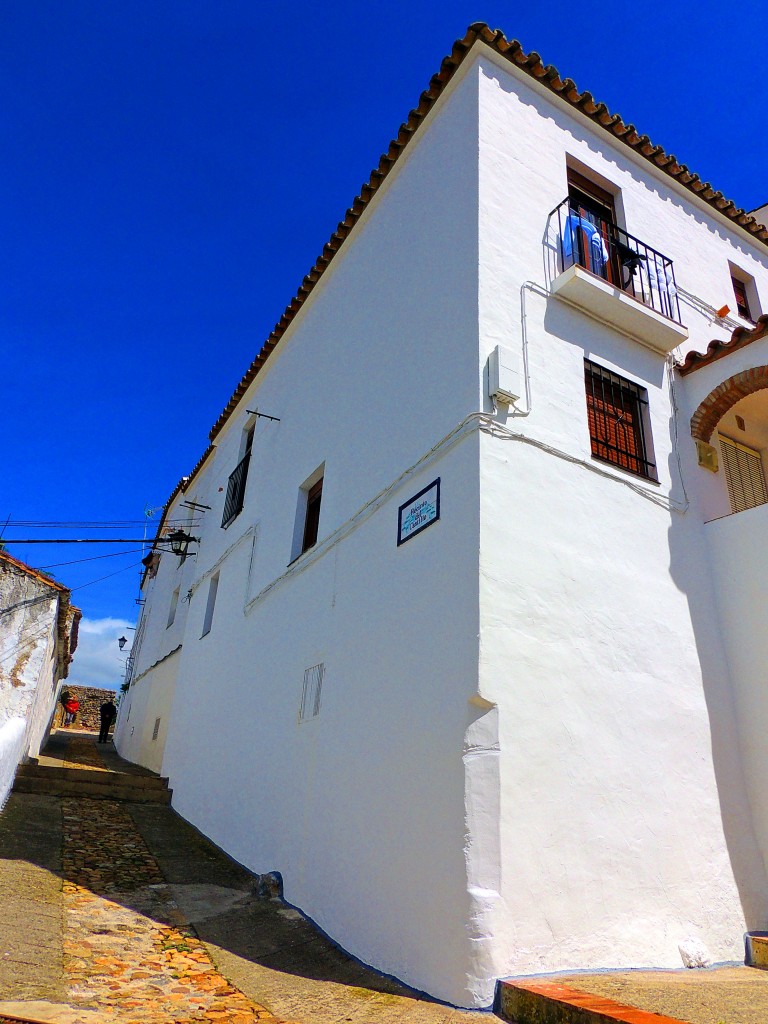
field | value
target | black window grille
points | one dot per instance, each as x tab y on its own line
238	478
616	411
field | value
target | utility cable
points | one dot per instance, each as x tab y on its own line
93	558
102	578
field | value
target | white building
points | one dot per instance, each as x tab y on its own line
530	737
38	636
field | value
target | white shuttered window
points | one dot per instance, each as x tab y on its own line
744	474
311	692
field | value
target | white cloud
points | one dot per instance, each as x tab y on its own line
98	660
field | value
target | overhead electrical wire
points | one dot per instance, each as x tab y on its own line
73	524
102	578
93	558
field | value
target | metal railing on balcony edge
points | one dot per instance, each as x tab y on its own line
610	252
236	490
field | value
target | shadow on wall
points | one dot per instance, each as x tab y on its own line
237	912
691	573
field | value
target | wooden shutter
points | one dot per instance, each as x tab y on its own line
744	475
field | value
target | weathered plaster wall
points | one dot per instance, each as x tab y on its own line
28	622
91	698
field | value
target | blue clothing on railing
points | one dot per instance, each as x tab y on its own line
597	251
660	277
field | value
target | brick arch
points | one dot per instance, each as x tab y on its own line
723	397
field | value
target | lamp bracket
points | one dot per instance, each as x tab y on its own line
263	415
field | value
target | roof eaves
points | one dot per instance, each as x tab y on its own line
34	573
548	76
716	349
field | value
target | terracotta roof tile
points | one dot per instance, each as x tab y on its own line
35	573
717	349
68	616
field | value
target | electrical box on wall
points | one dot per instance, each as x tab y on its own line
504	382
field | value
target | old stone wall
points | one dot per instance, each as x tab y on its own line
91	698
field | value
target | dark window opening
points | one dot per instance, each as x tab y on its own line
312	519
596	217
742	302
615	412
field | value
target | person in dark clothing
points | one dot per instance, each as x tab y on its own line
108	713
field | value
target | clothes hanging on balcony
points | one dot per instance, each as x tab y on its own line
659	278
598	253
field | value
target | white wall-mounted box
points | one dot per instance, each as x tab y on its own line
504	382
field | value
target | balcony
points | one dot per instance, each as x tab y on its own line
615	277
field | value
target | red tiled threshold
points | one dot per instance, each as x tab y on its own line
547	1002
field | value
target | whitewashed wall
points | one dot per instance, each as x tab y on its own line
578	799
363	809
624	820
737	549
27	655
156	644
149	698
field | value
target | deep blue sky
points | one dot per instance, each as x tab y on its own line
171	169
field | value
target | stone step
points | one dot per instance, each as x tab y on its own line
115	787
529	1001
38	771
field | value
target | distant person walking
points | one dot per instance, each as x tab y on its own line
71	707
108	713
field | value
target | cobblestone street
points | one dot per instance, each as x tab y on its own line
121	912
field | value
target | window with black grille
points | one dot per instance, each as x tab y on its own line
616	412
238	478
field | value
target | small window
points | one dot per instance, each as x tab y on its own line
742	302
616	412
745	293
213	588
744	475
311	692
596	217
172	609
312	520
307	523
156	730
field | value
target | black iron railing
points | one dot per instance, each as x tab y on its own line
610	252
236	490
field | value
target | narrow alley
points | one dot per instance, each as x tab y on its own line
118	910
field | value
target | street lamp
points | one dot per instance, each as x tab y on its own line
122	642
179	542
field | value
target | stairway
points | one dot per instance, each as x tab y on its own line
85	782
